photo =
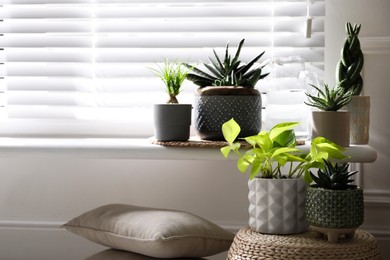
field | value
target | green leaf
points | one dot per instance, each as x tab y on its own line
256	167
244	162
307	178
321	144
262	140
285	139
283	150
230	130
280	128
225	151
294	158
236	56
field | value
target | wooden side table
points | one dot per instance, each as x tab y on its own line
248	245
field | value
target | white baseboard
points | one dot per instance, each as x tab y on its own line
53	229
30	224
19	224
56	225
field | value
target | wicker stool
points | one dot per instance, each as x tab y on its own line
249	244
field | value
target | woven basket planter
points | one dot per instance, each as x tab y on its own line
334	209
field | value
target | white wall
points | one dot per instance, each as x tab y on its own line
38	194
50	191
375	39
58	189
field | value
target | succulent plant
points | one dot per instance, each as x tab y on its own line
329	99
351	62
173	75
334	177
227	72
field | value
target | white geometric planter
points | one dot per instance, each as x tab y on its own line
277	206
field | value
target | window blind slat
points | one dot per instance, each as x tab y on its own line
72	66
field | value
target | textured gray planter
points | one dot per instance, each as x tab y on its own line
333	125
216	105
359	109
172	122
277	206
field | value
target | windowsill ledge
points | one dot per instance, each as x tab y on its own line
128	148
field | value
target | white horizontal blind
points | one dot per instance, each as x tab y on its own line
80	67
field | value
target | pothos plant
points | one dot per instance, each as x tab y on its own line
276	149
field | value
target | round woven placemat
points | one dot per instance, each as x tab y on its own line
195	142
248	245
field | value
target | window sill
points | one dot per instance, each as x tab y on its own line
126	148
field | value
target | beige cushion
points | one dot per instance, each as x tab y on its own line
152	232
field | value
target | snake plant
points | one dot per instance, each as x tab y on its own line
351	62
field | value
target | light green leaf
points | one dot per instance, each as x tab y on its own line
225	151
283	150
262	140
321	144
230	130
244	162
256	167
307	177
280	128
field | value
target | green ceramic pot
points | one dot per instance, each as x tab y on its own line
335	208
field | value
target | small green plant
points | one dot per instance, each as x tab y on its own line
351	63
334	176
272	150
228	72
173	75
329	99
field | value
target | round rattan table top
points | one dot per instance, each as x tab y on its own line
249	244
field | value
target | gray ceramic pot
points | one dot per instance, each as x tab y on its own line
172	122
214	106
333	125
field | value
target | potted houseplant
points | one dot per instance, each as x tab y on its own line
172	120
226	89
349	70
334	206
330	121
277	198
